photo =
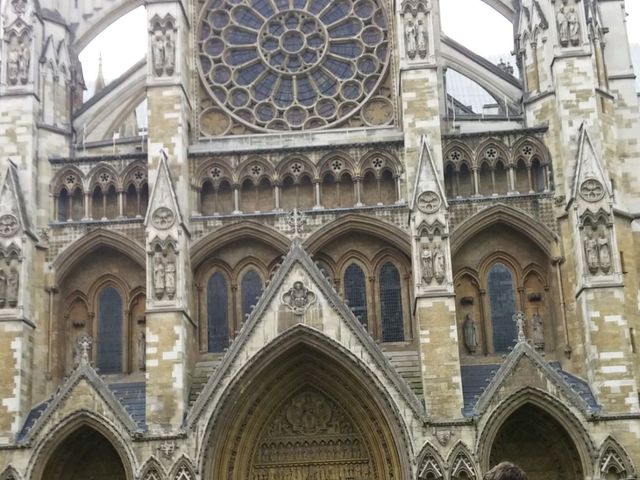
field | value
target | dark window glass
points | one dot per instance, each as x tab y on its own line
63	205
109	352
355	292
217	313
503	307
391	304
251	288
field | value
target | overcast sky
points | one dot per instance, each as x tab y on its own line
124	43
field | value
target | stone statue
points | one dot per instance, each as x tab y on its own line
170	279
410	38
604	252
438	264
163	52
538	331
13	60
158	52
13	285
563	27
3	289
591	250
24	59
142	351
426	259
470	334
422	39
158	277
520	320
169	53
298	298
574	27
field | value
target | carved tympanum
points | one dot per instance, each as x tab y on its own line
163	218
299	298
592	190
429	202
8	225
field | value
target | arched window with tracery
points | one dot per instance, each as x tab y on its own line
217	313
355	292
391	311
502	303
250	290
110	327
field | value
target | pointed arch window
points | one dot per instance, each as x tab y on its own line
355	292
217	313
391	304
63	206
503	307
109	338
250	290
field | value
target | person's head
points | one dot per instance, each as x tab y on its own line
505	471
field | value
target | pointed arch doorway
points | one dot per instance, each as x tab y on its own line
304	416
533	439
84	453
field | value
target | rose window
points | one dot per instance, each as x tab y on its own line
294	64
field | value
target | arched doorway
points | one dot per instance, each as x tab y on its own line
303	415
533	439
85	452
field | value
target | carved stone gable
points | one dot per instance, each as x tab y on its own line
163	212
310	437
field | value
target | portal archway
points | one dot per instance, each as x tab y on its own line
82	451
531	438
303	415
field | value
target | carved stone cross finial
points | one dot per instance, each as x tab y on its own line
520	319
84	348
296	222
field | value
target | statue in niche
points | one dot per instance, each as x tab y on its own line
13	285
538	331
163	51
170	279
410	38
422	38
157	52
13	59
158	277
470	334
3	289
604	252
169	53
574	27
24	59
426	259
591	250
521	325
438	264
142	350
563	27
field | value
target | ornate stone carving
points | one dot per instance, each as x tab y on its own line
597	248
158	277
84	344
426	261
592	190
443	436
167	449
163	46
18	58
163	269
3	289
568	26
296	222
429	469
462	465
520	320
163	218
13	287
8	225
410	35
310	437
429	202
470	333
439	268
299	298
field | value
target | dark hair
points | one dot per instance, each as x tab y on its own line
505	471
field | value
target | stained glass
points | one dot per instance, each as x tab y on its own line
391	304
503	307
217	313
109	341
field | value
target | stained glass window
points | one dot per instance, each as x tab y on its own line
217	313
251	288
391	304
503	307
109	338
355	292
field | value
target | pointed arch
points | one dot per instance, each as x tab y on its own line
460	461
287	363
70	256
554	407
362	224
520	221
182	470
614	458
10	473
103	168
152	470
430	464
47	444
202	249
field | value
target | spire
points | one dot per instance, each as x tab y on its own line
100	83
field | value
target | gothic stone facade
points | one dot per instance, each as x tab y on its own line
316	264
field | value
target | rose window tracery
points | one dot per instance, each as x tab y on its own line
292	64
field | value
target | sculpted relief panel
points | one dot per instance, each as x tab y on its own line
310	437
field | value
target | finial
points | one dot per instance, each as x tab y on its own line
84	344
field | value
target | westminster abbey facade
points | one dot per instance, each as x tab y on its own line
317	263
